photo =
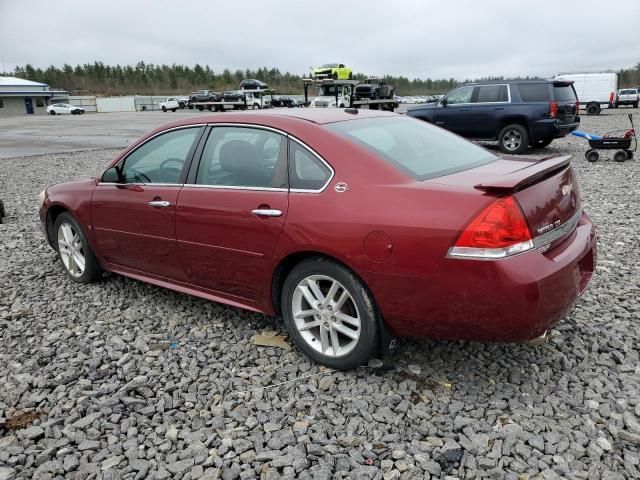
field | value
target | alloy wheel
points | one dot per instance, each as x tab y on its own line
71	250
326	315
512	139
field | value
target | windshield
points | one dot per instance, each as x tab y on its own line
329	65
328	91
627	92
419	149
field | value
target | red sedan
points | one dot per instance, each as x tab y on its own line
350	224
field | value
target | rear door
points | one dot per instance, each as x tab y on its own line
487	110
565	96
232	210
134	219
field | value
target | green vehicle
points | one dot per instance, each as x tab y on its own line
337	71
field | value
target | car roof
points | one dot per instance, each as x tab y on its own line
502	82
313	115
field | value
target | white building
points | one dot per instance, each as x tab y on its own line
19	96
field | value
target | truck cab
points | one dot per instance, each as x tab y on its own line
331	96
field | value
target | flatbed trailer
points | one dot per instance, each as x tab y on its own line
389	104
221	106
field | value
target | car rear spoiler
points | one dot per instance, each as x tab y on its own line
526	176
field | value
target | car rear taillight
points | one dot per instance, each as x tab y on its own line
498	231
612	97
577	106
553	109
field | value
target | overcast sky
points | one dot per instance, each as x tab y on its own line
438	39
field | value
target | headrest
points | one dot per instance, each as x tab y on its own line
239	156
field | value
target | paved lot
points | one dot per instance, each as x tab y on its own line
133	381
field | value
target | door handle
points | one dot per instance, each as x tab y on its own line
464	109
159	203
266	212
439	123
499	108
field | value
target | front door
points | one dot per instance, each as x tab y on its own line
230	216
452	112
134	218
28	104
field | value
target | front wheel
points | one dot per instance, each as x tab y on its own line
330	314
52	112
164	109
173	109
74	251
620	156
513	139
592	155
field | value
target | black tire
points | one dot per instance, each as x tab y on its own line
513	139
361	299
635	105
200	107
164	109
181	105
335	75
173	109
52	112
620	156
593	109
542	143
92	269
629	154
592	155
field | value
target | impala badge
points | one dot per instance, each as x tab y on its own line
341	187
566	189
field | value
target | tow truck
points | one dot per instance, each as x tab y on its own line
249	98
343	93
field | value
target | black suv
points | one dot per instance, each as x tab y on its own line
516	113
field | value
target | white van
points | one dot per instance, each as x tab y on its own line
595	90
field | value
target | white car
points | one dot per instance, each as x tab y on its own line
628	96
64	108
171	103
326	97
257	100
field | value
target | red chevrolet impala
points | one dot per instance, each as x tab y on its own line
350	224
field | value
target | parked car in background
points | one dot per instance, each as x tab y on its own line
205	96
256	100
64	109
171	103
268	216
516	113
337	71
332	96
283	101
253	84
595	90
628	96
373	88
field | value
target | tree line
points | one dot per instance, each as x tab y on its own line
150	79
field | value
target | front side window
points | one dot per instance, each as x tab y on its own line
161	159
413	146
492	94
461	95
243	157
306	171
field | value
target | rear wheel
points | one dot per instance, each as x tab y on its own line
542	143
620	156
629	154
635	105
350	75
592	155
593	109
173	109
52	112
513	138
164	109
74	251
330	314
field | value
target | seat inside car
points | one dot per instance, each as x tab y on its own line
244	164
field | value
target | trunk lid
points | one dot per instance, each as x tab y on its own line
546	190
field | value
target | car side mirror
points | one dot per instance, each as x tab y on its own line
443	102
112	175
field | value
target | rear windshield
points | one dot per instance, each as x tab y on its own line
534	92
628	92
564	93
421	150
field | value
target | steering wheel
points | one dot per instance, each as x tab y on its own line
169	170
137	175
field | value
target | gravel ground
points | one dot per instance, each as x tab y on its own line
127	380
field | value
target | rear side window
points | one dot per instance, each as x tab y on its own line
306	171
492	93
413	146
564	93
534	92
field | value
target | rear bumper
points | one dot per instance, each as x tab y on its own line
509	300
551	128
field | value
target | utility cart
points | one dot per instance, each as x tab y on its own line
620	140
